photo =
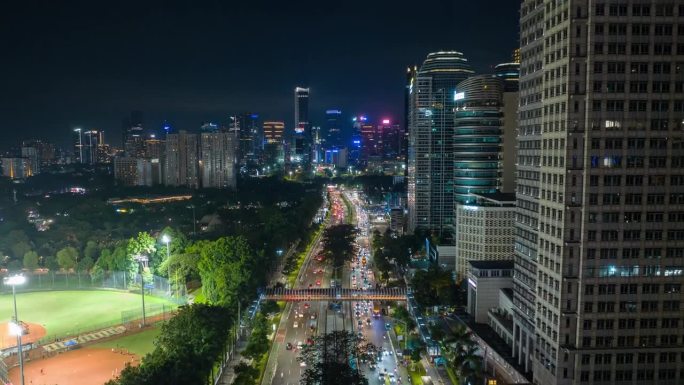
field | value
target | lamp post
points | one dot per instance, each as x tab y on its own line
142	259
15	327
166	239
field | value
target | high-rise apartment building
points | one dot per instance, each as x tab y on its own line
431	130
16	168
46	151
33	157
218	160
181	166
154	147
136	171
599	237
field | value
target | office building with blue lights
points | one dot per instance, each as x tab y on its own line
431	130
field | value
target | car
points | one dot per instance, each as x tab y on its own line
368	321
306	306
359	335
381	377
302	364
392	378
301	315
360	323
318	282
309	341
313	316
388	326
288	346
299	345
295	324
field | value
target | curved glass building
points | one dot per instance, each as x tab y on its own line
478	137
431	132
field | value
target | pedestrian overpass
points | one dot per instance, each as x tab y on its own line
334	294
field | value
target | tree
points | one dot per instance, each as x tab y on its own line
338	243
142	244
85	264
91	250
67	257
51	263
257	344
20	248
225	267
31	260
328	359
245	374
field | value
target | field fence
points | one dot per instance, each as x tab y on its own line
4	373
154	285
130	318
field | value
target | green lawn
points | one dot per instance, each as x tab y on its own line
67	312
138	343
417	374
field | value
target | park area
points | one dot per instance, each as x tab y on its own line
91	365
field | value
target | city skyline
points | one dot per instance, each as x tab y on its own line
95	68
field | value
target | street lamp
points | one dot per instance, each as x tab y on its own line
166	239
142	259
15	326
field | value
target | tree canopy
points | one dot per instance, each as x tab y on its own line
328	359
338	243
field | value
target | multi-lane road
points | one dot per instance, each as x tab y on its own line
302	320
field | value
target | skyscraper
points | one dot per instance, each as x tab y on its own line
181	166
218	161
600	193
77	140
250	137
273	146
431	129
484	146
333	128
91	142
273	132
133	135
301	139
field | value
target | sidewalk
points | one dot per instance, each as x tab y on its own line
228	373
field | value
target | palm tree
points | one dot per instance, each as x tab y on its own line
470	367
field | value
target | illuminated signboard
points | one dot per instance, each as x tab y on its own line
459	96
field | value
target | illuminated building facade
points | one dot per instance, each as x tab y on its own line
430	148
300	151
181	166
599	241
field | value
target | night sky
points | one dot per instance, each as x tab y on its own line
66	63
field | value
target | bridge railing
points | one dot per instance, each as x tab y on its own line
335	294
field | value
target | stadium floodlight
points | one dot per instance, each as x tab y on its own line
15	329
14	281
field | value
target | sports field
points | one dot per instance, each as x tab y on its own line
91	365
67	312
